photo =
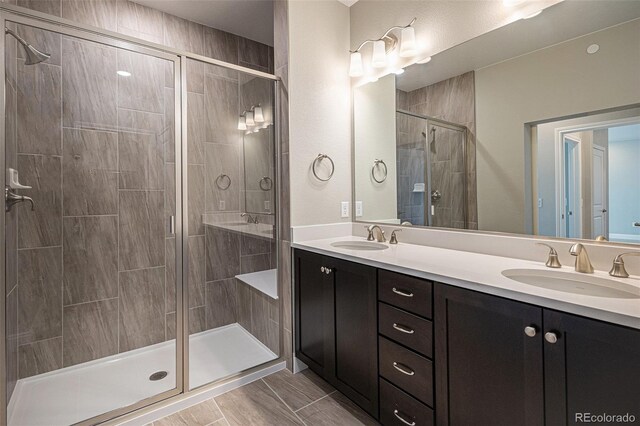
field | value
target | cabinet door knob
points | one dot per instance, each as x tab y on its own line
551	337
530	331
322	268
403	328
328	271
399	417
403	369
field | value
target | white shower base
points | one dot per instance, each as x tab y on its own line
76	393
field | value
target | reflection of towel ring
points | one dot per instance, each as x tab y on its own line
318	159
268	183
220	179
376	163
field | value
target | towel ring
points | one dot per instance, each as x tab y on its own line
318	159
376	163
266	180
220	178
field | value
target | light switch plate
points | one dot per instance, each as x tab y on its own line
344	209
358	208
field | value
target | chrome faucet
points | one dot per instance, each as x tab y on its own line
250	219
618	270
380	238
583	263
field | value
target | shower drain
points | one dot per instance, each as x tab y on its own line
158	375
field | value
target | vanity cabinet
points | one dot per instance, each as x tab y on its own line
336	324
504	362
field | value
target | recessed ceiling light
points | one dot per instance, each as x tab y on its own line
399	71
124	73
593	48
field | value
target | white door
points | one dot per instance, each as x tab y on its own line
599	193
572	211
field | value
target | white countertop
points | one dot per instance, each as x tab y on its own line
483	273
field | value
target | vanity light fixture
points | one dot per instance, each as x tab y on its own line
533	15
242	122
384	47
249	118
511	2
257	114
399	71
424	60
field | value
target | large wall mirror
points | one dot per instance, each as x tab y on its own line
533	128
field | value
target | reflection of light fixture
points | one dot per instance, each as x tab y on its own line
384	49
424	60
533	15
123	73
249	118
355	66
257	114
242	122
407	42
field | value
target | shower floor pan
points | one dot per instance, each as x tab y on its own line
76	393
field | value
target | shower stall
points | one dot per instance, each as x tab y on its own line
147	265
431	162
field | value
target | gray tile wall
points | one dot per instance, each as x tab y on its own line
98	150
451	100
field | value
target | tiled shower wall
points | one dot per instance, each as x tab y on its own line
92	256
410	159
451	100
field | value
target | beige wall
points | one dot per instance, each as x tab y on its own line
553	82
320	108
374	132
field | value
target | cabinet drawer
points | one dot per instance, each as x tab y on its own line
407	370
408	329
409	293
398	408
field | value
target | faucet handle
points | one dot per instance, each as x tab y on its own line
618	269
370	231
394	237
552	260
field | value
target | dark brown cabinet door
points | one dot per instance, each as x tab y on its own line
488	370
356	354
592	368
314	312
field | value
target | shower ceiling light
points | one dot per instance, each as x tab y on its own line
123	73
407	42
249	118
257	114
242	123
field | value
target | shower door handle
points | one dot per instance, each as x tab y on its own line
172	225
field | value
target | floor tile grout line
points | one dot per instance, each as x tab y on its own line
285	404
219	408
311	403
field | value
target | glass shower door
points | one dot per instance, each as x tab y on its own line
92	296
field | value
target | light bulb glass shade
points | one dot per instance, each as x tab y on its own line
258	117
379	57
355	66
424	60
399	71
242	123
408	42
249	119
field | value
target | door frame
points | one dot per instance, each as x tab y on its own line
562	216
559	133
179	57
605	191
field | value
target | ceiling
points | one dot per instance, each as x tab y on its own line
558	23
252	19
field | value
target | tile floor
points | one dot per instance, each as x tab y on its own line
279	399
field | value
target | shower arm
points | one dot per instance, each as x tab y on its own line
16	36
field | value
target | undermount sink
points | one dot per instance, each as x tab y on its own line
576	283
359	245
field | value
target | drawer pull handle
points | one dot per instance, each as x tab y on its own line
403	369
403	328
397	414
402	292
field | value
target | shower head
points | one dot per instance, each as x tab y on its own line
32	55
